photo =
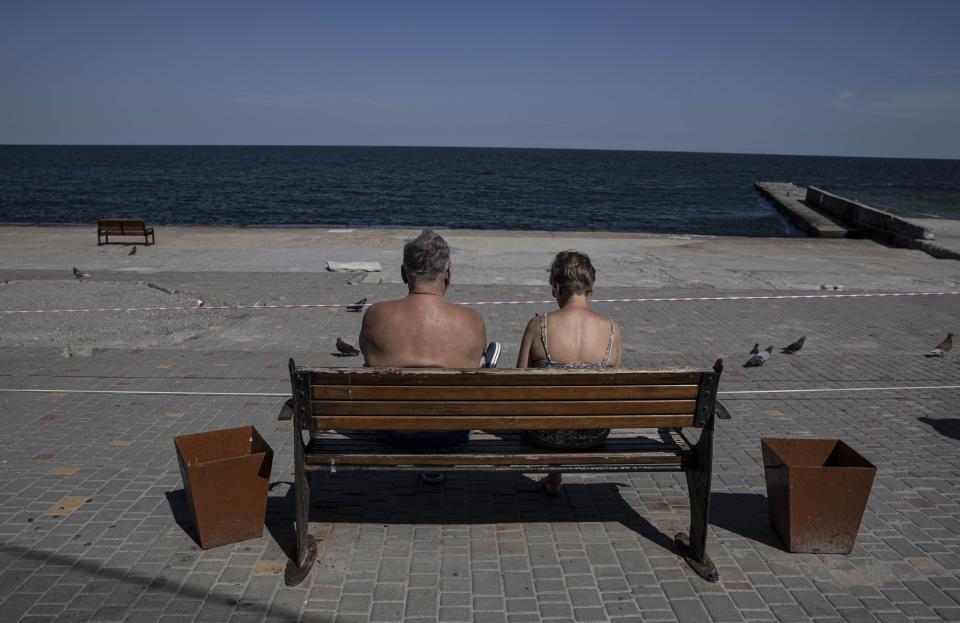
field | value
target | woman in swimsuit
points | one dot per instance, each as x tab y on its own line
577	338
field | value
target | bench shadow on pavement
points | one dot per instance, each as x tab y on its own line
949	427
464	498
503	498
744	514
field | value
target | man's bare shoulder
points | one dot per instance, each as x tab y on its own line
383	307
466	312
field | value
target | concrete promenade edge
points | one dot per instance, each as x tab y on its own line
93	518
491	257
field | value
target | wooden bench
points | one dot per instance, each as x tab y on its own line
645	408
107	227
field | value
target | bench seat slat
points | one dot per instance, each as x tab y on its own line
498	448
506	437
508	422
646	438
463	459
427	408
505	440
512	439
493	447
417	377
503	392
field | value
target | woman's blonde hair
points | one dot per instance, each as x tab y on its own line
572	273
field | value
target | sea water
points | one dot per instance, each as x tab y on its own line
477	188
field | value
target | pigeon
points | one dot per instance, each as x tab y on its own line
346	349
358	305
79	274
133	251
942	347
755	349
795	346
760	358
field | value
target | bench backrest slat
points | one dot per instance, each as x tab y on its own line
500	376
121	225
431	408
503	422
501	392
445	399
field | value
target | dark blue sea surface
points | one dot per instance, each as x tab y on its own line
477	188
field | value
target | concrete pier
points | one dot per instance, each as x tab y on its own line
790	200
821	214
883	226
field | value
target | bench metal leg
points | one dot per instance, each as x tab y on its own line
305	552
694	547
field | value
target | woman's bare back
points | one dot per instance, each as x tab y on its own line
575	335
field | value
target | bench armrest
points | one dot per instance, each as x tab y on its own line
286	411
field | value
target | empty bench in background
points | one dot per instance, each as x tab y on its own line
645	409
107	227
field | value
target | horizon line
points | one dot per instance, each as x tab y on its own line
620	149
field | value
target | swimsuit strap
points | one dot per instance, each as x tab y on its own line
606	357
543	337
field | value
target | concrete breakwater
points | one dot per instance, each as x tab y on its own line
823	214
790	200
872	221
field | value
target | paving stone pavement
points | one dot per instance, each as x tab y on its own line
479	547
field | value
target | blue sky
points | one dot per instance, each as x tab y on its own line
833	78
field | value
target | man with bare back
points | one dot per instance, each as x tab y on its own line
423	329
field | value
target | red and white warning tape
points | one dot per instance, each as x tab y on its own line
147	392
681	299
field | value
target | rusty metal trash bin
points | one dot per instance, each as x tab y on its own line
817	490
226	476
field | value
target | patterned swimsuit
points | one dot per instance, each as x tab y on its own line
569	438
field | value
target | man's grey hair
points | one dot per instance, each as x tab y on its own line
426	257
